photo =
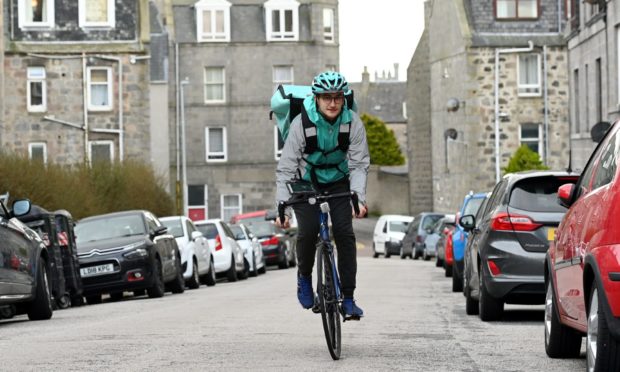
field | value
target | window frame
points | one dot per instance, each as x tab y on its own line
43	145
111	16
282	82
538	85
43	80
206	83
222	207
213	6
538	139
25	24
276	143
205	206
213	153
109	83
516	17
281	6
329	37
110	144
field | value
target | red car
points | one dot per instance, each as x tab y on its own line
583	264
449	259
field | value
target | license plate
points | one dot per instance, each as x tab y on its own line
96	270
551	234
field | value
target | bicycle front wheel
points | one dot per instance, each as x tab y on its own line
328	302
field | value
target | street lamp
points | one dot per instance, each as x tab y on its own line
183	149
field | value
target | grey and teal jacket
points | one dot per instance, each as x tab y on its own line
354	164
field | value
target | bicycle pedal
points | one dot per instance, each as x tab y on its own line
316	309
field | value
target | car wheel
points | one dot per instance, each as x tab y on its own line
438	262
263	269
560	341
243	274
194	281
158	288
387	252
402	254
231	274
489	308
254	271
283	261
41	307
94	299
602	349
457	283
374	251
293	261
209	278
471	304
448	272
415	253
116	296
178	283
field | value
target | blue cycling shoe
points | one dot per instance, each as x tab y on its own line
351	310
305	294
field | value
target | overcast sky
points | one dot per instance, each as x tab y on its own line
378	33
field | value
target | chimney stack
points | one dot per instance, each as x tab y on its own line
396	71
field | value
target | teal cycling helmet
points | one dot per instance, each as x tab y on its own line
329	82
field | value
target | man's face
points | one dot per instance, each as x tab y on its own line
330	104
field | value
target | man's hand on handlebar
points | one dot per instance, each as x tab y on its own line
285	225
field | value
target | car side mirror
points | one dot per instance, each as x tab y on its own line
565	195
196	235
21	207
161	230
468	222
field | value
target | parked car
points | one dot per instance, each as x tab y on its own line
278	245
437	243
228	256
252	248
251	217
510	241
471	205
388	235
449	256
471	259
413	242
582	267
196	253
24	266
127	251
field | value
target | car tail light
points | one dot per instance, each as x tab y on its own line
508	222
271	241
218	243
493	268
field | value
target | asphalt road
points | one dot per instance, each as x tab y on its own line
413	322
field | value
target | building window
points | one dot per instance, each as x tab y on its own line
96	13
215	91
282	75
197	202
37	151
36	89
328	25
282	20
331	68
216	144
516	9
231	205
100	152
213	20
278	142
531	135
99	80
529	71
36	13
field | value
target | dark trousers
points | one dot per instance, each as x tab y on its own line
342	228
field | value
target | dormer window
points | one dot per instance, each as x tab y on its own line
96	13
36	14
516	9
282	20
213	20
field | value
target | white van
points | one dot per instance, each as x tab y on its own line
389	233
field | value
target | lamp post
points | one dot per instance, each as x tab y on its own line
183	149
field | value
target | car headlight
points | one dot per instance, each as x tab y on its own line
136	253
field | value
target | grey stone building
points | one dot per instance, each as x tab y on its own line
232	55
82	81
593	60
453	88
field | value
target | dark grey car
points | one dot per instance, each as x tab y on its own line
413	242
506	253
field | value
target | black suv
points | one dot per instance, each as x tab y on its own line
24	270
127	251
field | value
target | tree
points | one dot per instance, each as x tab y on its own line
382	144
524	159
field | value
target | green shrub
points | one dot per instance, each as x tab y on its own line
382	144
524	159
84	190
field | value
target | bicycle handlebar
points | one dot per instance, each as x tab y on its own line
314	198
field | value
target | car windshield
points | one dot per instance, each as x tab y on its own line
109	228
472	206
399	226
430	220
251	220
237	232
174	227
538	194
209	230
263	229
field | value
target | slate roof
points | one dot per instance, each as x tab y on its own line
383	99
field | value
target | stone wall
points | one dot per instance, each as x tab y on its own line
387	193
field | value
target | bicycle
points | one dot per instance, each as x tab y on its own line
328	291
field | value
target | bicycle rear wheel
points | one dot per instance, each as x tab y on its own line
328	302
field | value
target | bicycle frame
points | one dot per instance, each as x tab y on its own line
329	249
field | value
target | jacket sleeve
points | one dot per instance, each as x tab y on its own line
290	159
359	158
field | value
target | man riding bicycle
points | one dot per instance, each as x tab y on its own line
339	163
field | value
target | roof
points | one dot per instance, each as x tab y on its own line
382	99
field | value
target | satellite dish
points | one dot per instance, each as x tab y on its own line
450	133
598	130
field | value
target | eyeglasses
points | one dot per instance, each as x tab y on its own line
338	99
